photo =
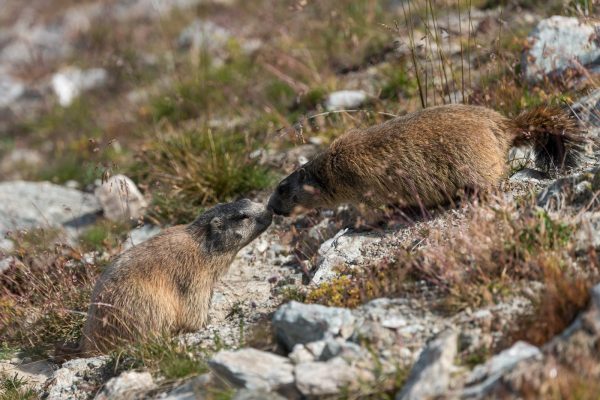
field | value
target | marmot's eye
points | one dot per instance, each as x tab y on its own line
240	217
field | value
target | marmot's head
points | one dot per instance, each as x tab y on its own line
229	227
300	190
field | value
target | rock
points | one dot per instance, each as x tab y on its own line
587	109
483	377
256	394
10	90
7	262
330	377
140	234
528	175
43	204
575	190
34	373
558	43
203	34
341	250
126	386
75	378
6	246
191	389
70	82
120	199
430	377
254	369
304	323
345	99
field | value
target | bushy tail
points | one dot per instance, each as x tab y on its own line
557	139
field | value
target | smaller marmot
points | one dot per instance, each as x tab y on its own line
426	158
164	285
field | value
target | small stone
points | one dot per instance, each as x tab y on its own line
528	175
70	82
256	394
430	377
329	378
140	235
126	385
254	369
304	323
120	199
345	99
483	377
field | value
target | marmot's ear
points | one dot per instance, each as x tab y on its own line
302	174
216	223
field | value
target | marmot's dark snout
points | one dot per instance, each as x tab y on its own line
276	207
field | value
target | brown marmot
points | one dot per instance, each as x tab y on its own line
164	285
426	158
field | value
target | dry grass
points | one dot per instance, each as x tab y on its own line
498	250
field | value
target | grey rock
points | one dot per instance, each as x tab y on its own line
191	389
70	380
587	109
121	200
483	377
431	375
342	250
573	190
140	235
330	377
126	386
70	82
203	34
254	369
345	99
560	42
42	204
256	394
528	175
10	90
35	373
520	157
304	323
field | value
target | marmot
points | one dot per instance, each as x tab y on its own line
164	285
426	158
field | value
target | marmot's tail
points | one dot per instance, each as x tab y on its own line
557	139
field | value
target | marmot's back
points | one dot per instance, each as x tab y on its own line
425	158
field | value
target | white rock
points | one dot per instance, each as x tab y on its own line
10	90
304	323
345	99
120	198
557	43
342	250
126	385
70	82
430	377
43	204
254	369
485	376
202	34
80	371
329	378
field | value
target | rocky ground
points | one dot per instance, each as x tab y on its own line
488	298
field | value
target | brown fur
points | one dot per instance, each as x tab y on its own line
425	158
163	285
